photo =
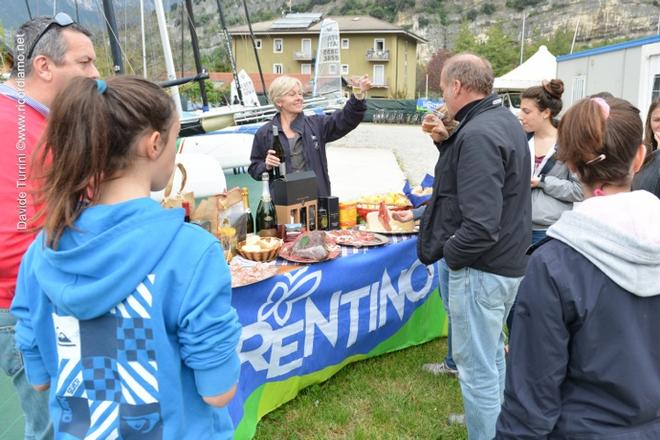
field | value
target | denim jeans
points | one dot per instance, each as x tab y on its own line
444	294
33	403
479	303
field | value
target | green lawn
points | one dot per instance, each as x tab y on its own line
388	397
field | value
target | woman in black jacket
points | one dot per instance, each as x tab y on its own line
303	137
584	359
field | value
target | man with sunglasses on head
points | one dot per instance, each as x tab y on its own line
48	54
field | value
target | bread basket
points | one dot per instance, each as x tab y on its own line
267	254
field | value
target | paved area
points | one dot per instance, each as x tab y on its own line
414	150
356	172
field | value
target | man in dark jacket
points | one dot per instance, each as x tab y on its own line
479	221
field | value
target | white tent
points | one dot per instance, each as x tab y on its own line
542	65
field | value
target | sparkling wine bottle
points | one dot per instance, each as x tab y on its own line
266	220
249	218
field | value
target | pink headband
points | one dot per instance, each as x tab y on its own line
604	106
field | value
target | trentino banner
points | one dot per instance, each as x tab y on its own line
302	327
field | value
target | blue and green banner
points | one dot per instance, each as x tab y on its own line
301	327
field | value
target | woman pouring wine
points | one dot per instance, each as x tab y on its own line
302	137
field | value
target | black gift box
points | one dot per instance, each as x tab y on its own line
331	206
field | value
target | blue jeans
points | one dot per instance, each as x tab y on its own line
479	303
443	274
33	403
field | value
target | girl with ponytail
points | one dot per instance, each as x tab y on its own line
584	358
123	310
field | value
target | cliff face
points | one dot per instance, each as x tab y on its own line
596	21
438	21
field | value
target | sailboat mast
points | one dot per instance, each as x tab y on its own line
230	52
167	53
144	47
198	62
256	52
109	12
27	5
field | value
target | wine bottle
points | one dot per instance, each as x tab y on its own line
266	219
249	226
312	218
280	171
303	217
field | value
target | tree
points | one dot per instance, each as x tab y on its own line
215	95
500	49
217	61
434	67
465	40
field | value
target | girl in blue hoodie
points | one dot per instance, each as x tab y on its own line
124	311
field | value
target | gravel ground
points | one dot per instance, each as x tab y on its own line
413	148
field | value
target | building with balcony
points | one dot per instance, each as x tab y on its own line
288	45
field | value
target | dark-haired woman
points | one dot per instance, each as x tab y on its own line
554	188
584	356
648	178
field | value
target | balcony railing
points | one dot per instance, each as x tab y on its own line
302	56
378	55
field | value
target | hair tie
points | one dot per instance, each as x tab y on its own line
601	157
101	86
604	106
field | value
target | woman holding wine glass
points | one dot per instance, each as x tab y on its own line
302	137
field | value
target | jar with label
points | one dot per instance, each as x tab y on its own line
347	214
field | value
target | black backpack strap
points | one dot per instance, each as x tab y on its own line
538	244
549	164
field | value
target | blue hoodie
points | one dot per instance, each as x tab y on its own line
130	322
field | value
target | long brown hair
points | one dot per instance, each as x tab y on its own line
600	146
89	139
649	139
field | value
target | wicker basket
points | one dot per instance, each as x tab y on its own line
265	255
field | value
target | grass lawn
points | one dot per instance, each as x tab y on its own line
388	397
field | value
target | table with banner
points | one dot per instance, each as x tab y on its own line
303	326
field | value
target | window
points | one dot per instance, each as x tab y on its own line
344	43
379	75
258	43
306	69
655	93
278	45
278	68
306	46
578	88
379	44
344	69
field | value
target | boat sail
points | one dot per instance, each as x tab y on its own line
327	81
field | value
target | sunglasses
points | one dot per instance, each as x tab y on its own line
61	19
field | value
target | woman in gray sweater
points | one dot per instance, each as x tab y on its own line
554	188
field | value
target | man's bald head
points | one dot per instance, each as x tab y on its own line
474	73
